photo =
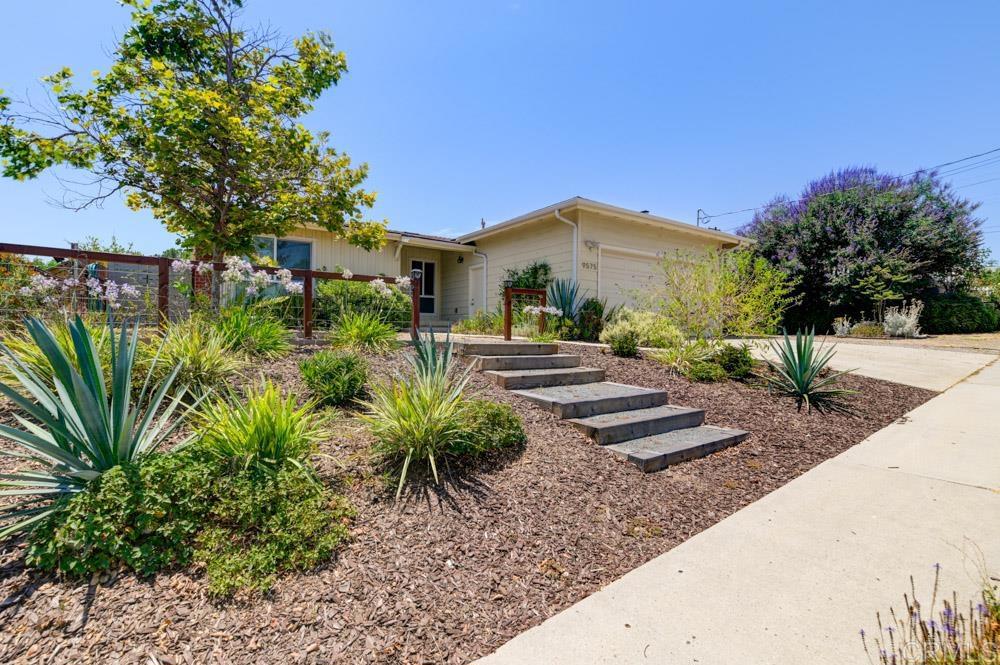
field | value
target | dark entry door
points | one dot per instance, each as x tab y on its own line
427	280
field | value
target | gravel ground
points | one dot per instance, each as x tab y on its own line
451	572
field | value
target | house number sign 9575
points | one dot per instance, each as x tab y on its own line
589	265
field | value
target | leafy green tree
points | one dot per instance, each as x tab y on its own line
857	238
199	121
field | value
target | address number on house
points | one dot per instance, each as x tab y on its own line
589	265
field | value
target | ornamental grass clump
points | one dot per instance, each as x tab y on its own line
799	373
85	425
200	351
262	430
903	321
253	332
335	379
363	331
417	418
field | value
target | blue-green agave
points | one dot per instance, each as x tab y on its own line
75	424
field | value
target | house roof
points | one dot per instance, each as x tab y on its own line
578	202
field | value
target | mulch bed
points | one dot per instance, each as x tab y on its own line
452	572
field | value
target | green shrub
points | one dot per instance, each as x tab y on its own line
591	318
85	428
735	360
867	329
261	526
333	298
705	372
536	275
418	418
261	431
958	313
200	350
480	323
624	343
363	331
650	328
680	357
335	378
489	426
142	515
799	374
253	332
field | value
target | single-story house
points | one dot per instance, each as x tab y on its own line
610	251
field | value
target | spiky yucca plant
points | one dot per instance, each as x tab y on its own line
797	374
76	424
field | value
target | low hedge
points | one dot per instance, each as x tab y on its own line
958	313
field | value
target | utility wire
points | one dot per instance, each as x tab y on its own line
962	169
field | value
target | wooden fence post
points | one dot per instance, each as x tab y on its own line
541	315
507	318
163	291
415	304
307	305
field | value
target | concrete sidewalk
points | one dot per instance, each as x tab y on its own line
794	576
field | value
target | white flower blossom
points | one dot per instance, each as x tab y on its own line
346	274
536	310
294	287
205	267
180	265
403	282
381	287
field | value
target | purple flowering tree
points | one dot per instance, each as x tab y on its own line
856	239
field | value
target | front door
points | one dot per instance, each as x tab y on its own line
476	301
427	280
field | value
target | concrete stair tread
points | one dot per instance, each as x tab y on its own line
652	453
608	428
589	399
550	361
559	376
605	419
506	348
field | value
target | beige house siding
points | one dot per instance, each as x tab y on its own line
328	252
628	250
547	239
455	285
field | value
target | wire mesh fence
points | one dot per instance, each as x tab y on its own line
49	282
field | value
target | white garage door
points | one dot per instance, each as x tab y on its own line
626	274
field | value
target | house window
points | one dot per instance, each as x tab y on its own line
285	252
426	284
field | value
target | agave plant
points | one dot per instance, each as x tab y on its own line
564	294
798	374
81	426
428	359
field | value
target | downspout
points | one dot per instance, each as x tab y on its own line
576	240
486	282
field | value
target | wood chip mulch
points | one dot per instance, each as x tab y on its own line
452	572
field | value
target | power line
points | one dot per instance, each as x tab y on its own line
968	167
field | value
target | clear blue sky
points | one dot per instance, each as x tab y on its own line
473	109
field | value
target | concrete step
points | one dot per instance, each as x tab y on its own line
506	348
652	453
608	428
554	361
591	399
539	378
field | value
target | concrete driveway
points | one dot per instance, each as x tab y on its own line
931	368
793	577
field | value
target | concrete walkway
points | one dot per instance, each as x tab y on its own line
794	576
